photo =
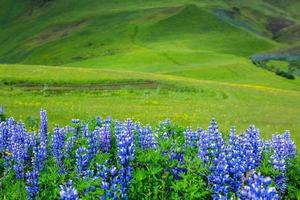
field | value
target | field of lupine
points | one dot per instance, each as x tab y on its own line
110	159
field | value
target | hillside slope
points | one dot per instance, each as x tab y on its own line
93	33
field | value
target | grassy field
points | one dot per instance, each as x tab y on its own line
150	60
82	93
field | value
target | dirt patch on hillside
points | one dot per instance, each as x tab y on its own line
276	24
289	34
67	87
57	32
159	14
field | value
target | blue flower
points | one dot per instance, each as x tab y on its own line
192	137
110	181
85	130
258	187
82	160
68	192
210	143
69	145
32	184
125	142
19	149
75	121
126	151
280	182
40	155
92	139
57	147
105	137
284	149
251	148
98	121
43	127
146	138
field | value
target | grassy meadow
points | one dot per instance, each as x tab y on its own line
83	93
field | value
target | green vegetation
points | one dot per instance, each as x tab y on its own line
83	92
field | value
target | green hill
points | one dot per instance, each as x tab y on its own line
131	31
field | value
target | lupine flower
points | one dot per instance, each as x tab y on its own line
6	141
280	182
176	170
19	149
2	111
68	192
289	145
188	137
105	137
3	136
126	150
219	176
146	138
125	179
85	130
267	146
229	162
92	138
110	181
98	121
69	145
125	142
210	143
284	149
31	140
88	174
40	151
252	147
40	155
43	127
32	184
82	160
237	162
57	147
228	169
164	128
108	120
68	129
258	187
192	137
75	121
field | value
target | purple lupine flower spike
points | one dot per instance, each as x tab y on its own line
105	137
82	160
57	147
68	192
258	187
32	184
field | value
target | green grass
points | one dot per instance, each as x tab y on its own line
184	100
283	65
